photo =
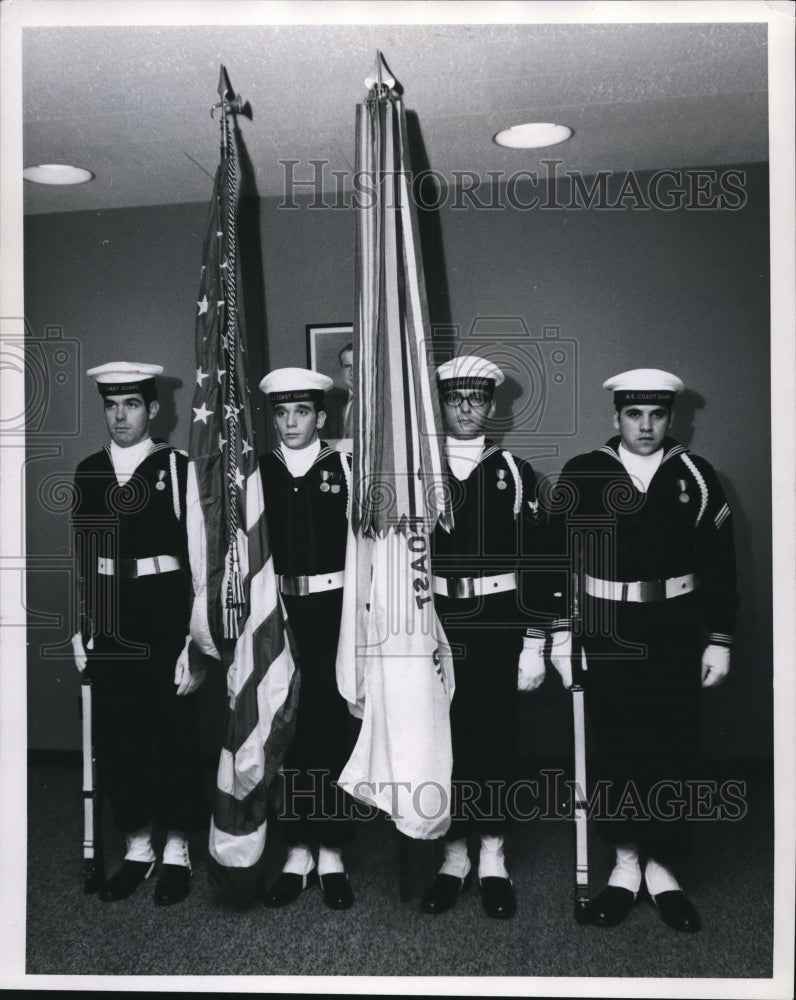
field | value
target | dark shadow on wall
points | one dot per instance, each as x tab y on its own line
507	397
727	711
426	192
684	416
167	418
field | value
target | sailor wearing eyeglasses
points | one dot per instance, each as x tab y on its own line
497	519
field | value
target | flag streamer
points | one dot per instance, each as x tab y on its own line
394	664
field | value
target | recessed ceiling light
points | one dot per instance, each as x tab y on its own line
532	135
57	173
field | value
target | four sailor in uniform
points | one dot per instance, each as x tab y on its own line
654	616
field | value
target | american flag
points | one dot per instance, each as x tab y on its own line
394	663
236	615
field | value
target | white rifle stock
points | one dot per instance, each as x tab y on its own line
93	871
580	796
580	793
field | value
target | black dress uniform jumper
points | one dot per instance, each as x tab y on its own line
643	684
307	526
497	529
134	628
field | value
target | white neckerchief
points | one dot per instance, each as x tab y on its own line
641	468
299	460
126	460
463	456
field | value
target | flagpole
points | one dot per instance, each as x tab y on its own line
230	103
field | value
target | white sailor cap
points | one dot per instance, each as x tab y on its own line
291	385
118	377
644	385
469	372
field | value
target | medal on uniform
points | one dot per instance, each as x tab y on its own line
160	485
335	484
684	497
325	481
501	483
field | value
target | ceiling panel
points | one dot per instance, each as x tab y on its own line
133	103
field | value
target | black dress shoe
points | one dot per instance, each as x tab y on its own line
126	880
443	892
174	884
677	910
287	888
497	896
611	906
337	894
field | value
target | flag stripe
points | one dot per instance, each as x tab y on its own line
270	649
263	698
234	851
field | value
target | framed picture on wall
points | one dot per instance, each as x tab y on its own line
325	343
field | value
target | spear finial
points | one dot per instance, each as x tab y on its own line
380	82
230	101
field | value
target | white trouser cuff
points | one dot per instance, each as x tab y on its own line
491	862
659	878
139	845
330	860
299	860
176	850
456	862
627	871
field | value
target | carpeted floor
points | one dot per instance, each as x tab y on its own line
730	879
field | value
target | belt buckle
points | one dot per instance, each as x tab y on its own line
295	586
461	586
652	590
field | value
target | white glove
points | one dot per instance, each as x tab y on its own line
79	650
531	669
715	665
561	656
187	680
